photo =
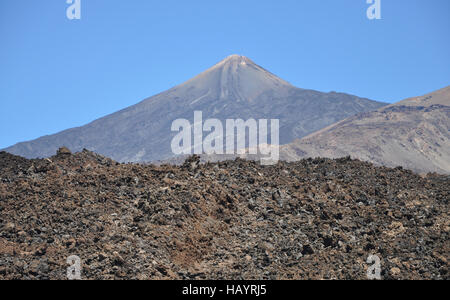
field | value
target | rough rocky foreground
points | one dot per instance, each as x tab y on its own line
313	219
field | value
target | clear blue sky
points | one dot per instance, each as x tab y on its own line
56	73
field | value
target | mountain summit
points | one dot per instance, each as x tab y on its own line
235	88
237	78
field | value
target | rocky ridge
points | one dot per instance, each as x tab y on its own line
413	133
312	219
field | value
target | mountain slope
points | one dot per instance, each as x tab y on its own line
234	88
414	133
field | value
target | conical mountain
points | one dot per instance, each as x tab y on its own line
235	78
234	88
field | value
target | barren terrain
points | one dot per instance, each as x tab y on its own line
312	219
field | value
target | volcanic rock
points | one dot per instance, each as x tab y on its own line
207	221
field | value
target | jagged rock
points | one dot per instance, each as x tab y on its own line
313	219
63	151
